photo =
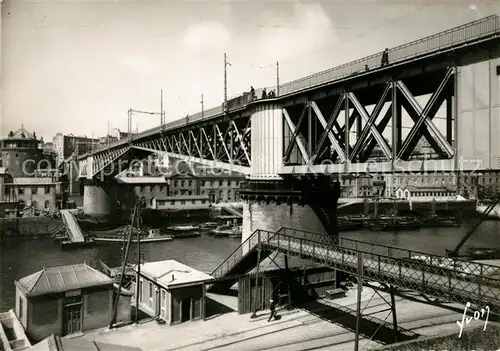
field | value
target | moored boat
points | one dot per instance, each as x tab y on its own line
237	232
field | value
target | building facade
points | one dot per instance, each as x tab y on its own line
67	145
63	301
218	185
171	291
181	202
36	193
23	153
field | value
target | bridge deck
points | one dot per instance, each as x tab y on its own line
75	233
456	280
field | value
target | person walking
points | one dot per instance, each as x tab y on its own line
273	310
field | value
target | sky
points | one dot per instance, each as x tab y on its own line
75	66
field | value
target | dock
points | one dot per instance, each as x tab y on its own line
75	234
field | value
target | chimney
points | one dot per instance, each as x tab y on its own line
173	277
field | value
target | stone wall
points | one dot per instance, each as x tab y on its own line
472	339
12	228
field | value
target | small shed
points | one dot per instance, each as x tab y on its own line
171	291
63	300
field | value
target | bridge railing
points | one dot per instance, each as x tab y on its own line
239	253
458	285
434	43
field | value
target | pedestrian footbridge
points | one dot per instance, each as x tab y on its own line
453	280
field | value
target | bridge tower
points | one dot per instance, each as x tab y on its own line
274	201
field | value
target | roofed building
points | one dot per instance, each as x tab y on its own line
171	291
63	300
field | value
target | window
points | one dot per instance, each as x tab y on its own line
208	183
21	308
203	201
202	183
182	183
183	202
34	190
216	183
189	192
193	202
172	202
498	70
20	191
47	190
175	182
190	182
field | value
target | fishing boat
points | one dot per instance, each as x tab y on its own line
395	224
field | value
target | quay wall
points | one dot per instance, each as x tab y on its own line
471	339
404	206
30	227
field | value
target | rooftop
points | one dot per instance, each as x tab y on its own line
60	279
21	133
182	197
171	273
141	180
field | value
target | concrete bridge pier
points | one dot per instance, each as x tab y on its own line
271	201
98	198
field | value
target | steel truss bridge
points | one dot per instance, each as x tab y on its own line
449	280
327	122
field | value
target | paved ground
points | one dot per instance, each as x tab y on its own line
320	328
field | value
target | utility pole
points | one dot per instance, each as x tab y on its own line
107	136
277	78
162	116
202	107
226	63
129	126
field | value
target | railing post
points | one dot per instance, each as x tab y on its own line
289	243
258	238
378	264
423	274
479	285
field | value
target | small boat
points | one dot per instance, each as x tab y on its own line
237	232
483	252
395	224
184	228
223	230
68	244
208	227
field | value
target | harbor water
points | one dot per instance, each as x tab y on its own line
19	258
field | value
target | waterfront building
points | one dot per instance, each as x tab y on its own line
68	145
145	187
218	185
63	300
361	185
22	154
425	193
171	291
37	193
181	202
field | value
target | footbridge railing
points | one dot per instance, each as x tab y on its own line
456	280
251	243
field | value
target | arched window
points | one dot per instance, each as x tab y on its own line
46	204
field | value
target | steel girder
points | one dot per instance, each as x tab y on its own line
95	164
321	130
222	144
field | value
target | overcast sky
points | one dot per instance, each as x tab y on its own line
72	66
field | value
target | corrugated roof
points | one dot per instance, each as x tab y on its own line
163	271
63	278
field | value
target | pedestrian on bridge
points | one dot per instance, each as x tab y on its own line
264	93
385	57
252	93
